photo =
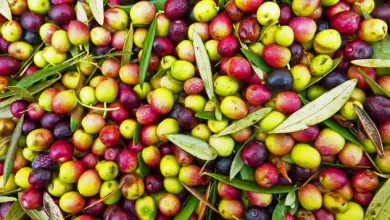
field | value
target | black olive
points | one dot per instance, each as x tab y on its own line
279	80
256	213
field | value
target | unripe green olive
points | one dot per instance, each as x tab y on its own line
305	156
315	91
87	95
205	10
39	60
169	166
267	13
217	126
256	48
142	93
165	127
348	110
223	145
182	70
269	35
212	50
284	36
195	102
52	56
327	41
271	121
174	86
321	64
301	75
201	131
173	185
60	41
225	85
167	62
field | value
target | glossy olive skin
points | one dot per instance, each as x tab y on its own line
279	80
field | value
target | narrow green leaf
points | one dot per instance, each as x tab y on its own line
294	207
381	48
237	162
15	212
325	164
43	85
51	208
247	173
259	72
7	199
24	93
146	52
250	185
160	73
83	17
375	87
97	9
193	146
212	199
34	213
315	79
113	54
128	47
11	192
279	211
39	75
256	60
199	196
12	148
372	63
221	4
370	129
287	158
144	169
379	206
188	207
265	29
27	63
75	117
5	9
93	72
318	110
245	122
137	133
203	64
158	4
205	115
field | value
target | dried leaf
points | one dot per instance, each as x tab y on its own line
24	93
75	117
11	152
7	199
245	122
5	140
5	112
97	9
379	208
315	79
372	63
128	46
282	170
5	9
371	130
203	64
83	17
250	185
194	146
375	87
34	213
15	212
200	197
237	162
147	52
202	209
51	208
318	110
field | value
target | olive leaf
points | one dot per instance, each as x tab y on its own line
188	207
39	75
212	199
370	129
372	63
7	199
208	115
375	87
200	197
97	9
143	168
245	122
51	208
26	64
203	206
22	92
315	79
247	173
325	164
250	185
256	61
11	152
137	134
128	46
83	17
381	48
237	162
318	110
15	212
194	146
158	4
290	198
5	112
379	207
75	117
5	9
147	52
221	4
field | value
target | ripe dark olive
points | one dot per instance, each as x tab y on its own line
4	44
378	107
39	178
256	213
44	161
32	21
186	118
153	183
18	108
223	165
28	126
97	209
175	9
296	52
62	13
322	25
286	14
162	46
178	31
254	153
129	98
101	50
228	46
333	79
345	22
299	174
31	37
249	30
279	80
382	12
358	49
50	119
9	65
62	130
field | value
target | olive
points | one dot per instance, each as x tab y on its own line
279	80
223	165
